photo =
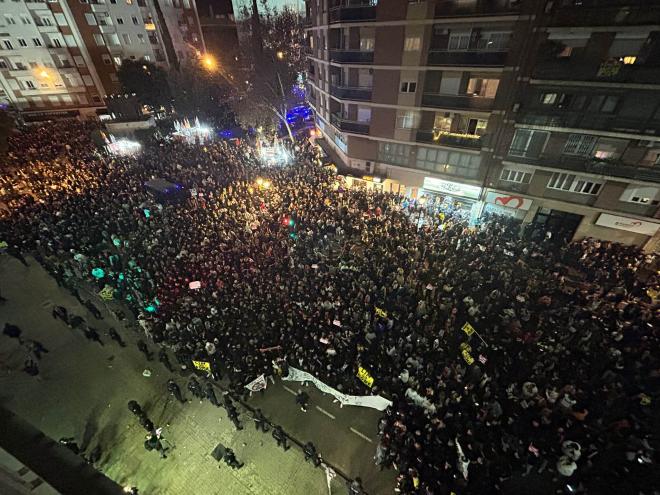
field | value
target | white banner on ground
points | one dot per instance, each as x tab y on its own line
259	383
329	476
373	401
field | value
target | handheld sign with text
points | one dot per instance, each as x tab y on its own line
468	329
380	312
202	366
365	377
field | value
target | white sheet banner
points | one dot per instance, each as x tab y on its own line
257	384
373	401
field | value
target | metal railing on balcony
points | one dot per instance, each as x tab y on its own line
352	11
451	8
596	121
348	125
490	58
351	93
609	71
448	139
464	102
351	56
594	166
606	13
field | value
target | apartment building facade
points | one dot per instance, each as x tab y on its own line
62	56
443	97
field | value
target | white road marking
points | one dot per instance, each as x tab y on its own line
323	411
46	303
289	390
361	435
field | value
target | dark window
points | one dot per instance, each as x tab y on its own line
610	104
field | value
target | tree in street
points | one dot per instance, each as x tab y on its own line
274	61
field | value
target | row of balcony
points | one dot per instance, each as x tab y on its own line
606	13
610	71
482	58
351	93
590	165
365	10
348	125
596	121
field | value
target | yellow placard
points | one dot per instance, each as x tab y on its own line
202	366
468	329
365	377
380	312
107	293
467	356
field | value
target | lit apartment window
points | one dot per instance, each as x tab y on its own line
528	143
574	183
117	61
643	195
408	87
407	119
412	44
629	60
548	98
112	39
579	144
519	176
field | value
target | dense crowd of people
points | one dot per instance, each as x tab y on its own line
558	373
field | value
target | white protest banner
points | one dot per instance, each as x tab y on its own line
259	383
194	285
329	476
463	462
372	401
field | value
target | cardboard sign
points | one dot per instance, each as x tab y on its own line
202	366
107	293
336	323
468	329
380	312
365	377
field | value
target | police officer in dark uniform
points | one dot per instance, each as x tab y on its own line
226	401
280	437
230	459
174	389
310	453
135	408
210	395
195	388
233	416
302	398
163	358
116	337
92	334
144	350
147	424
260	421
93	309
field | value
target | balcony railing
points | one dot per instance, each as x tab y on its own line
451	8
610	71
606	13
352	11
351	93
351	56
464	102
349	125
595	166
448	139
468	57
596	121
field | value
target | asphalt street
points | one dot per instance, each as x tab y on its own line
83	388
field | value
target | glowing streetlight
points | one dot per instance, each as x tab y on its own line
280	55
209	62
44	74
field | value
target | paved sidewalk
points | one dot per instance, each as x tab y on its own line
83	389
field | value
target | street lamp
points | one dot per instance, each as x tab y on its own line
209	62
